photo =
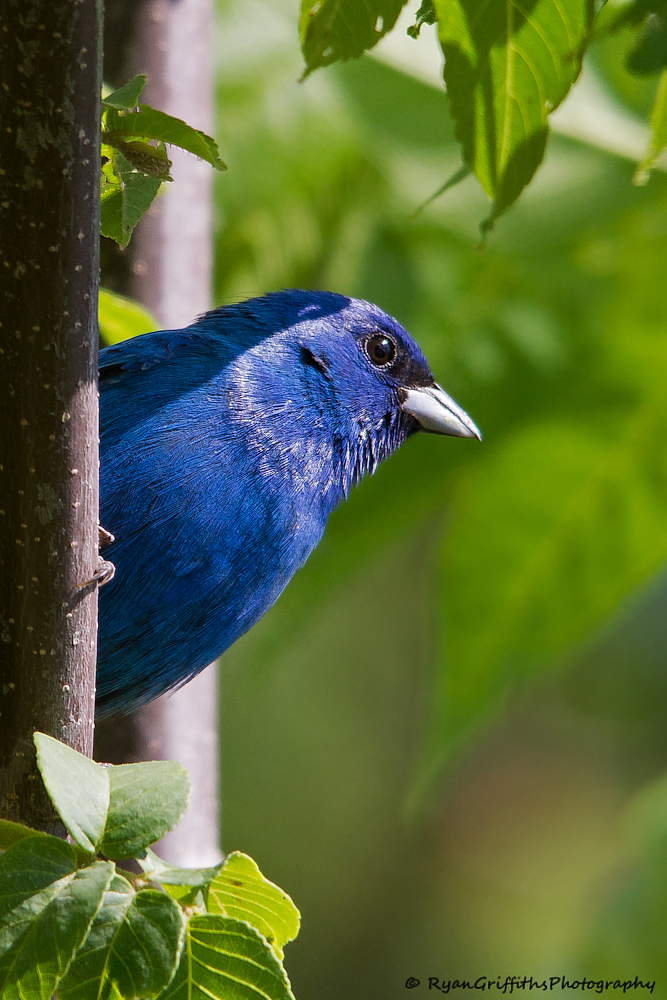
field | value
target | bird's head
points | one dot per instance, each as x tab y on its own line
366	381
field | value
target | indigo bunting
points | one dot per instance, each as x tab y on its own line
224	448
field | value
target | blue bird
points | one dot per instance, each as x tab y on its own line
224	448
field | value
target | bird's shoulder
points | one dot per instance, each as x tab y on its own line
151	349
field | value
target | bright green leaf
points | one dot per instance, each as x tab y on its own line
11	833
147	800
38	938
547	537
337	30
507	66
132	949
658	132
126	97
225	959
121	318
240	890
78	788
148	123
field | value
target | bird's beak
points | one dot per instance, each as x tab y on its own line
438	413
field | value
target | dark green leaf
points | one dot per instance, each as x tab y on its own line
126	97
121	318
39	937
150	160
507	66
425	15
132	949
148	123
649	55
225	959
337	30
123	206
147	800
78	788
240	890
11	833
31	865
111	217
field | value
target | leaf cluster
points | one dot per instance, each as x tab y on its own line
76	922
134	141
507	67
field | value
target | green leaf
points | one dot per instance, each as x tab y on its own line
547	537
78	788
31	865
132	949
38	938
240	890
123	204
507	66
11	833
337	30
425	15
649	55
148	123
147	800
111	217
161	871
225	959
658	132
121	318
126	97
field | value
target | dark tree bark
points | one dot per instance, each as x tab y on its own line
49	265
171	253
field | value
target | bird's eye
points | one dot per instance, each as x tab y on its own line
381	350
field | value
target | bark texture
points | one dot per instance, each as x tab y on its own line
171	274
49	266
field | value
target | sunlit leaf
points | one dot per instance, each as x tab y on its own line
507	66
39	937
225	959
147	800
132	948
337	30
121	318
78	788
240	890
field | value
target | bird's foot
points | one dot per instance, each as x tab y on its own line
104	573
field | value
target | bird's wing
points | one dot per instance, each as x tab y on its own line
146	351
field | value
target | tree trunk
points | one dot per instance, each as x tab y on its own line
49	219
171	274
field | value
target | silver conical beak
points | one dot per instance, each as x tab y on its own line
438	413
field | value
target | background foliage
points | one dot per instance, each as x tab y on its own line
447	739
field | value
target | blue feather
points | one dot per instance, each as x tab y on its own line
224	448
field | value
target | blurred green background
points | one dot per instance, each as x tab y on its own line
448	739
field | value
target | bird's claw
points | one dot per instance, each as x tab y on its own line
104	573
104	537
